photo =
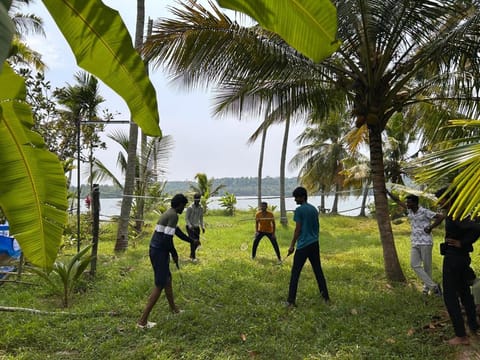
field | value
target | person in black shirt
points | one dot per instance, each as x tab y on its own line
161	247
456	271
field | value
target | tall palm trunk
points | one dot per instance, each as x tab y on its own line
128	189
283	160
335	200
322	199
364	199
393	269
140	208
260	167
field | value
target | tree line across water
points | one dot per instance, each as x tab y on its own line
243	186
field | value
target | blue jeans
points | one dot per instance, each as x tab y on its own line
312	253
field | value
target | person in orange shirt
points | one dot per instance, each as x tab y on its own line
265	226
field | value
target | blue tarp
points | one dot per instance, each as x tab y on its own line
10	246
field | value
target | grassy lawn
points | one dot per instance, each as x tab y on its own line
233	305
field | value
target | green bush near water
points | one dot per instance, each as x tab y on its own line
233	305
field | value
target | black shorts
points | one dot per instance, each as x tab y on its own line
160	260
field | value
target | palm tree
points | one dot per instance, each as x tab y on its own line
402	131
357	175
176	44
320	155
82	105
394	55
122	231
20	53
206	188
151	164
263	129
454	163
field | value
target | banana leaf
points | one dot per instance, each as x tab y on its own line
33	190
102	45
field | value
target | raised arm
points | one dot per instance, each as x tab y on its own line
396	199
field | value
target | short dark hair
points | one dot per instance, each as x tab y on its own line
178	199
264	203
197	196
300	192
413	198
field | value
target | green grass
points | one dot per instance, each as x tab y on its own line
234	306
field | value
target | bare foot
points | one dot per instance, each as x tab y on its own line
457	340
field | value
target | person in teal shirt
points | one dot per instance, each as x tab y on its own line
305	237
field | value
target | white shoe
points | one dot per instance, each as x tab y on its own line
148	325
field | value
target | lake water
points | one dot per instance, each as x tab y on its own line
349	206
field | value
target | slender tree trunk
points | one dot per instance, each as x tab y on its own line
260	167
140	208
334	209
95	206
364	199
283	161
393	269
128	189
322	200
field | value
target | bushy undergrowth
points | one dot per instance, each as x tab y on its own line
234	305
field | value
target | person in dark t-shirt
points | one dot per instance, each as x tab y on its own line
161	247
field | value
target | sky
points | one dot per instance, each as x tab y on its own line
203	143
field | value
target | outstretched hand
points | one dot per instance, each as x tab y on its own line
291	250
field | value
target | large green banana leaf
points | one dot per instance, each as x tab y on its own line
33	191
309	26
32	184
102	46
6	30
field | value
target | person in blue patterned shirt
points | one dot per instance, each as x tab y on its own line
421	224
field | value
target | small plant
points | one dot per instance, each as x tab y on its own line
65	276
228	202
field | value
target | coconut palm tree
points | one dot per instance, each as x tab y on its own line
20	53
206	188
259	52
394	55
321	153
151	163
455	162
122	231
357	176
81	102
